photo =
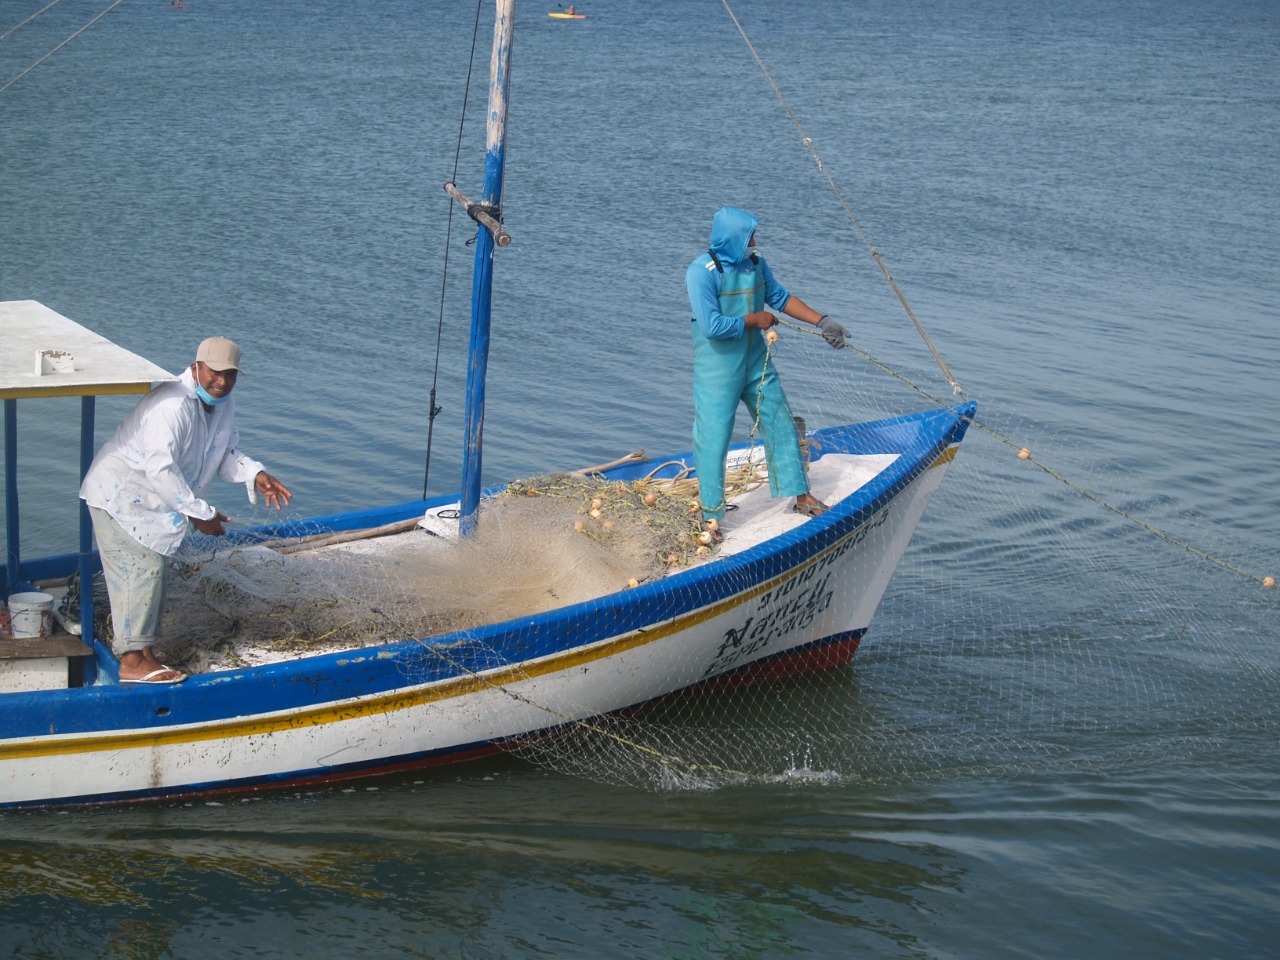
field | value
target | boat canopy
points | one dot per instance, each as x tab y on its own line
48	355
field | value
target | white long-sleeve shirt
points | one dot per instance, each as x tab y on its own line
154	472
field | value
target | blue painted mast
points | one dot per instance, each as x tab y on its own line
489	216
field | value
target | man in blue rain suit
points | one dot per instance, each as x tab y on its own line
729	286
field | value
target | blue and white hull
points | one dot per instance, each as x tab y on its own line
787	595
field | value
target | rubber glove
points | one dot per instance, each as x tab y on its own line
832	332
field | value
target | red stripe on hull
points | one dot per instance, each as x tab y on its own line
836	651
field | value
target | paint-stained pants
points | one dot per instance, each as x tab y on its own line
726	373
135	578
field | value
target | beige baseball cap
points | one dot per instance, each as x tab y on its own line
219	353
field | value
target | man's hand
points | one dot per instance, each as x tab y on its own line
761	320
213	526
273	491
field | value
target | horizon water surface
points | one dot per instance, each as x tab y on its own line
1060	736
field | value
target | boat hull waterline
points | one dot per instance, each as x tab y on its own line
796	603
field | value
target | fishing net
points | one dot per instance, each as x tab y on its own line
546	542
1055	611
1053	615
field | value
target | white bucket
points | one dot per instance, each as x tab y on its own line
30	615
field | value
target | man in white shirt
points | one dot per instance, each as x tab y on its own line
145	490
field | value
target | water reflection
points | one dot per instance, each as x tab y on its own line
475	863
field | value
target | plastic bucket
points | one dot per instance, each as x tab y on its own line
30	615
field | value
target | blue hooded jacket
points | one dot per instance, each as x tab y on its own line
731	232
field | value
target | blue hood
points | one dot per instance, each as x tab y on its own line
731	230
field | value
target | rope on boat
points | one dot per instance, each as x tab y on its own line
835	189
636	457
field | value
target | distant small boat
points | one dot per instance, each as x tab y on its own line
569	14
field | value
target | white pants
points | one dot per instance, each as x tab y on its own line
135	578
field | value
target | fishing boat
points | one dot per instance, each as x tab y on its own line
783	595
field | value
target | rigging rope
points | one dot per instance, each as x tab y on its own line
875	254
12	30
448	234
59	46
1023	452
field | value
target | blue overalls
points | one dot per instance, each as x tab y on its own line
732	370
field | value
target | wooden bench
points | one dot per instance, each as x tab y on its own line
45	663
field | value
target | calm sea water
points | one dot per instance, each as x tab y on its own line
1060	739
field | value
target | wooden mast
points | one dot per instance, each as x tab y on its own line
482	279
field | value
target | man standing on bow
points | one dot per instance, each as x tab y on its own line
145	488
728	287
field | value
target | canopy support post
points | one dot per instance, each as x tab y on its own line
13	560
104	661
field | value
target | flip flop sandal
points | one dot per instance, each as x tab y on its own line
815	509
154	675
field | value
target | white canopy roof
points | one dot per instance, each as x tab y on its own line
43	354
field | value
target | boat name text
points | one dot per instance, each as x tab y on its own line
790	606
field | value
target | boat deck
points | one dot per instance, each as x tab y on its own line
255	605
